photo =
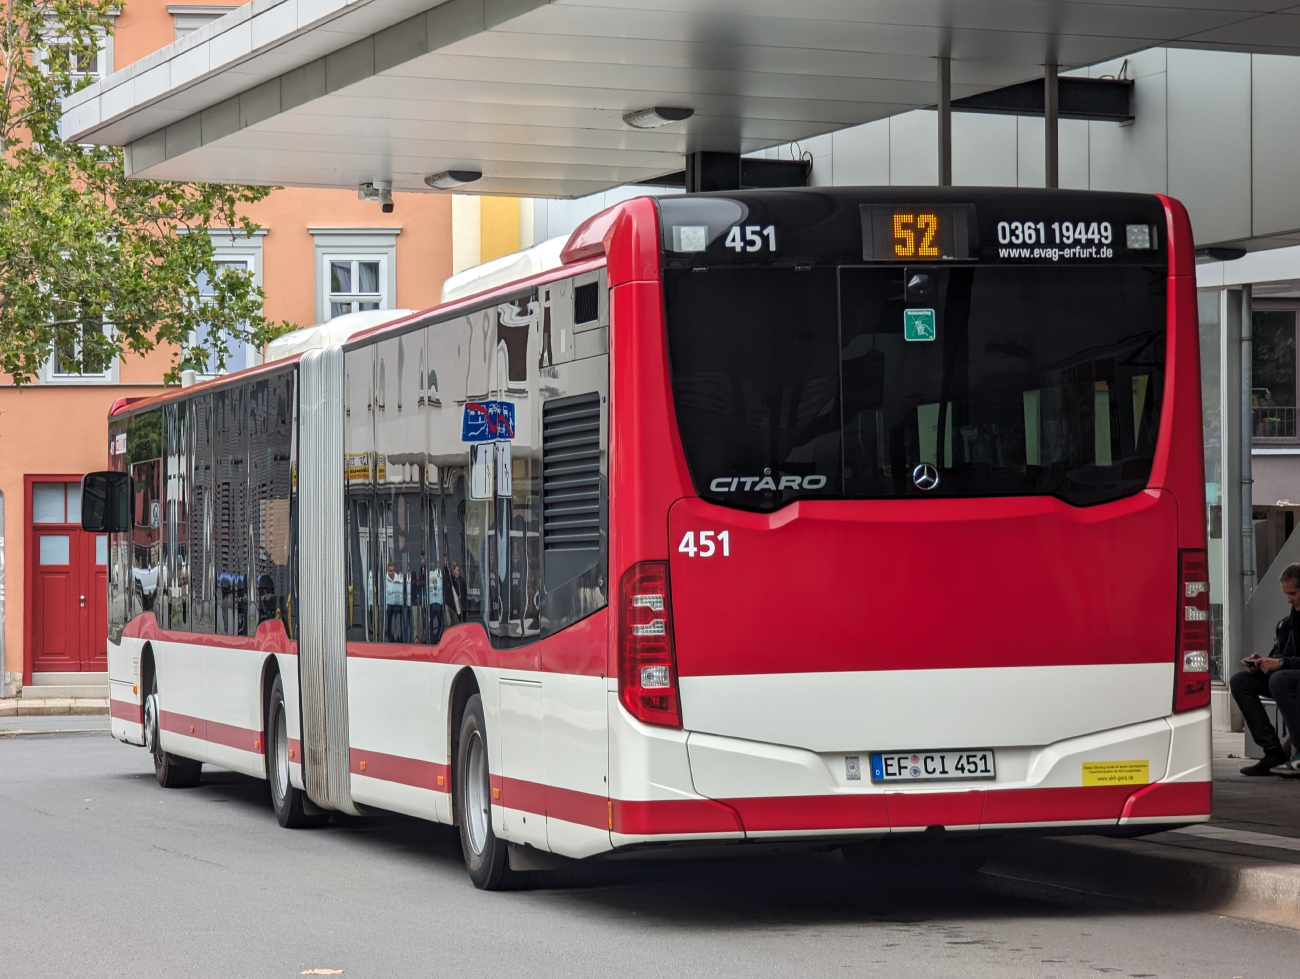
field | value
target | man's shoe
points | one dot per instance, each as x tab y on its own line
1266	764
1288	769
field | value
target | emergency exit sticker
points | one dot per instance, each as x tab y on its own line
1116	772
918	324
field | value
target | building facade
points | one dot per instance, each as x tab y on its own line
320	253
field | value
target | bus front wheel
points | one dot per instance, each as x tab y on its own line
486	855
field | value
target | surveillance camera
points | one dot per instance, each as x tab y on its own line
381	191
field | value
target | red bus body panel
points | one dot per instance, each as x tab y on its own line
847	588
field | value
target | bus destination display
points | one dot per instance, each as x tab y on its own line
917	232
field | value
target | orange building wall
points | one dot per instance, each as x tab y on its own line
46	429
288	250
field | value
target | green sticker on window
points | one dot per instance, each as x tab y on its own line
918	324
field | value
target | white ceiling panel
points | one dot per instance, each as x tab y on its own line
321	93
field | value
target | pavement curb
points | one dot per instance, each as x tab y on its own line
52	708
1155	873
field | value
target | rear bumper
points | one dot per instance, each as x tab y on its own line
781	792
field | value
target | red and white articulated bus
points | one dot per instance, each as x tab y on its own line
805	514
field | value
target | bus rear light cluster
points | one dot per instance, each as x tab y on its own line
1192	665
647	663
655	677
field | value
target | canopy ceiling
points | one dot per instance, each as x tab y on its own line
329	94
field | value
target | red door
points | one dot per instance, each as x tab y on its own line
68	601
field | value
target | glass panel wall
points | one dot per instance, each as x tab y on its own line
1211	400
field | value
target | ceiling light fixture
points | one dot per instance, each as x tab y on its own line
450	179
659	115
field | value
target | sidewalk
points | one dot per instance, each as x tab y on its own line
50	707
1245	862
12	727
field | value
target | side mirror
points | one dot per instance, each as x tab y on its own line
106	502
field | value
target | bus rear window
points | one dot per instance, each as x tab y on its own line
877	383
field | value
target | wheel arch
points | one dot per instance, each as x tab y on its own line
270	670
148	669
463	686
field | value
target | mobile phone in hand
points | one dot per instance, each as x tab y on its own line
1251	662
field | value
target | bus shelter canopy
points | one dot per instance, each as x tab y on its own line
533	94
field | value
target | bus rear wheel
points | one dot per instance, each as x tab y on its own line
288	802
172	771
486	855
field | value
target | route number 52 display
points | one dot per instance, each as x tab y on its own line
710	543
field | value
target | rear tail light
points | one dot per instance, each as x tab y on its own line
647	664
1192	666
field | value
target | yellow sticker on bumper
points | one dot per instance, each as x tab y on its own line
1116	772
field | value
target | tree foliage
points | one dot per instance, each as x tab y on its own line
92	264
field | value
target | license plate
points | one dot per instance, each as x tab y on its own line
932	766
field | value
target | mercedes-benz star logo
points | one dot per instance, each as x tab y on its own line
925	476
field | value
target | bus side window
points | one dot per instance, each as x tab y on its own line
402	560
201	523
119	559
144	455
230	443
269	481
175	591
360	469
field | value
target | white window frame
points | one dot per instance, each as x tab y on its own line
353	245
231	247
104	59
380	298
50	374
189	17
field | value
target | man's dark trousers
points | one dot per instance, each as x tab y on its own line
1284	687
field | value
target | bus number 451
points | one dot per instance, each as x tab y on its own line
752	240
711	542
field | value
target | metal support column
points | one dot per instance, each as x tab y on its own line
1247	480
1236	618
945	121
1051	115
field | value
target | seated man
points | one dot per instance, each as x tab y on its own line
1276	675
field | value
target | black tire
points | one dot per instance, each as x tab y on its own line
486	856
288	802
172	771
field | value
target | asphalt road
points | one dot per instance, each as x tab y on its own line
103	874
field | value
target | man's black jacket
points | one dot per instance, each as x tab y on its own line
1284	642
